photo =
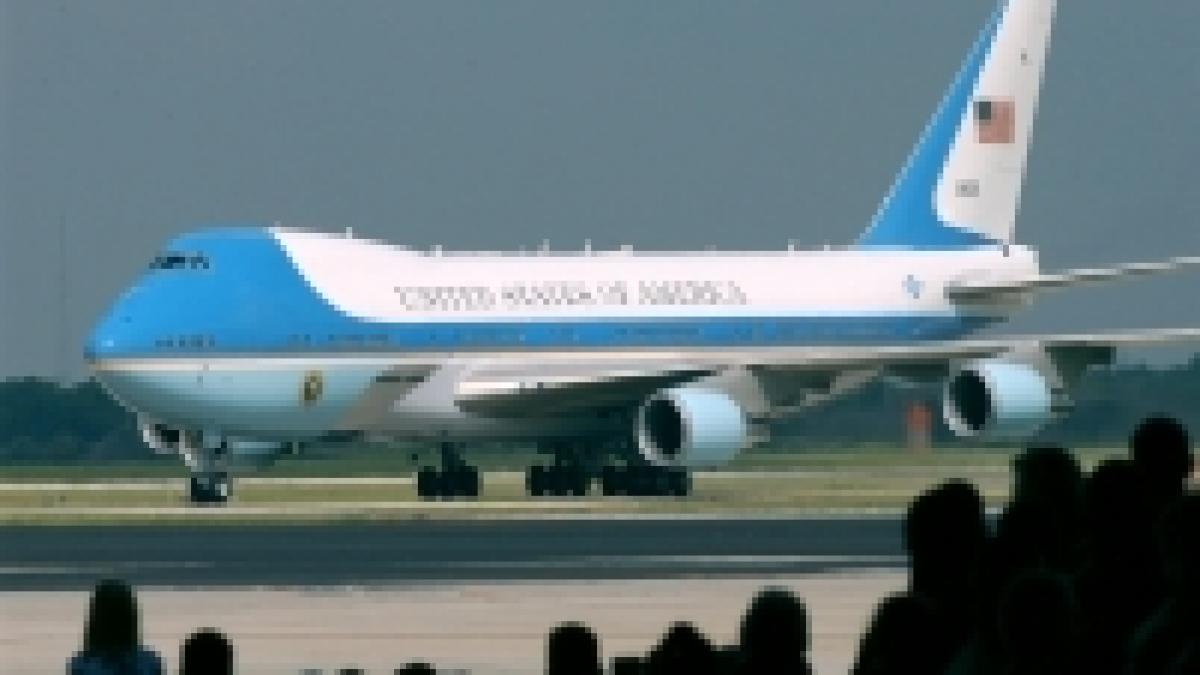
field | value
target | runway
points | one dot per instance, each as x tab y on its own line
416	552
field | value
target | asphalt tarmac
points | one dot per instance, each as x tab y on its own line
422	552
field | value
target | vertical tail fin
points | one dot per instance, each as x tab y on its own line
961	185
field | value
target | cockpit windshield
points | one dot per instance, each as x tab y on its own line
180	261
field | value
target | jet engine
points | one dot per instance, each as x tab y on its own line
690	427
998	398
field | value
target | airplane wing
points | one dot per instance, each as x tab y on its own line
570	381
550	385
987	291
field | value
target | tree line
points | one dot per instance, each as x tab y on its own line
44	421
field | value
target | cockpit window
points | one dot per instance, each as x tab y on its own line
180	261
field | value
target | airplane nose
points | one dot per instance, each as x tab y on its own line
105	338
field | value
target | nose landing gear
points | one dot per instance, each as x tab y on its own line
210	487
208	459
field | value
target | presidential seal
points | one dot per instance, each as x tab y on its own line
311	388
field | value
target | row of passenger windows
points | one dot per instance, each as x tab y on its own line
180	261
518	336
186	342
646	334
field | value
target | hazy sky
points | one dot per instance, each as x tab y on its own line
479	124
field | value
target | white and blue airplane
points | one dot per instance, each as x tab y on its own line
240	342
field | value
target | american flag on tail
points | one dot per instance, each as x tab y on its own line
995	120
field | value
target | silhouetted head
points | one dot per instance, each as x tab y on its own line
1162	453
572	649
1113	503
774	631
1049	477
1037	621
415	668
683	650
206	652
898	639
112	624
944	533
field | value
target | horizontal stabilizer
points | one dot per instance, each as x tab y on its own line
983	291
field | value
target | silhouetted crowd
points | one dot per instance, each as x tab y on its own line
1081	573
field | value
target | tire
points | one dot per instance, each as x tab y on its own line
535	483
471	483
553	477
428	485
581	482
209	488
610	481
680	483
463	482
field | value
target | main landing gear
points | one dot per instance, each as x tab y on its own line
567	476
454	479
571	475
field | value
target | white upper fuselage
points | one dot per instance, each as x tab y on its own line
376	282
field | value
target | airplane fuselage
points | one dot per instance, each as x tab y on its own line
278	333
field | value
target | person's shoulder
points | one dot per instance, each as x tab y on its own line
142	662
147	662
86	664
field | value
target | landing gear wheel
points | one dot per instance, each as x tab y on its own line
428	485
611	484
570	474
463	481
210	488
535	481
459	480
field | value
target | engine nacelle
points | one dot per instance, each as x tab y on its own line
690	427
997	398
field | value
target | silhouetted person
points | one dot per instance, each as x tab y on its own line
1048	486
1037	626
897	640
111	638
415	668
1175	626
945	534
1120	582
682	651
206	652
572	649
1162	455
773	637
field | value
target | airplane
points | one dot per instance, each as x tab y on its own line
626	368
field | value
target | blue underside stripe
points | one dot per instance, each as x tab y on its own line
612	334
